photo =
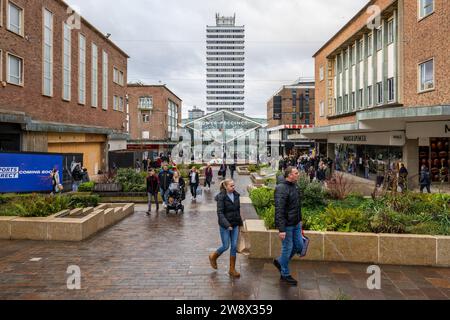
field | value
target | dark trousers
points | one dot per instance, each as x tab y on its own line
194	190
232	174
208	181
423	186
153	196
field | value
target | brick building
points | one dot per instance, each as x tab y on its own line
63	85
382	89
154	117
290	110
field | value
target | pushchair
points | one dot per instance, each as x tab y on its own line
175	199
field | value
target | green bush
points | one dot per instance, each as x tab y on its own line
268	215
262	198
344	219
79	201
312	219
131	180
86	187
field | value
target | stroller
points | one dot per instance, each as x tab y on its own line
175	199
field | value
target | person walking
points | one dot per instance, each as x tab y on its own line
403	178
321	172
152	190
229	215
56	184
223	170
425	179
366	168
288	220
165	179
77	176
232	169
194	181
177	179
208	176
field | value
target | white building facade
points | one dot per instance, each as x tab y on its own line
225	65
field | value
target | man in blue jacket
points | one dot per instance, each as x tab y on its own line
165	179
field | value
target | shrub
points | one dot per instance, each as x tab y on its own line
253	168
268	215
131	180
86	187
344	219
80	201
338	187
262	198
312	219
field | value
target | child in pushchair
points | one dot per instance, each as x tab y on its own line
176	195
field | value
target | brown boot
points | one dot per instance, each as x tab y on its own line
233	271
213	259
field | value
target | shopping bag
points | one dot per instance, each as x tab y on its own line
199	191
305	246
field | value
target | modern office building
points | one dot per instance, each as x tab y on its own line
195	113
225	67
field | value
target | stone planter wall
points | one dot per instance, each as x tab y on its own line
394	249
74	225
243	171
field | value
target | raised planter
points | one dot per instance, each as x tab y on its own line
243	171
107	187
67	225
395	249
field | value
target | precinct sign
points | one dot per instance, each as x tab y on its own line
28	172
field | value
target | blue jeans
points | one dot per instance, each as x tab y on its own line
292	245
164	194
228	237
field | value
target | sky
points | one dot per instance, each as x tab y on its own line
166	40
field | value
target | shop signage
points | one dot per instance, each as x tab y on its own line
355	138
435	129
22	172
396	138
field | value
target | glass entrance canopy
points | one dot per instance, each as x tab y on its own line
226	135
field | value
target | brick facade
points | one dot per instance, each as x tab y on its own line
29	98
158	117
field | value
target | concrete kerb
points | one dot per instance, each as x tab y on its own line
387	249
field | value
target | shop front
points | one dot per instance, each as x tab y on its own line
354	152
434	141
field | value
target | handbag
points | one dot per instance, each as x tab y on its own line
199	191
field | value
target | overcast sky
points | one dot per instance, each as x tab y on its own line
166	40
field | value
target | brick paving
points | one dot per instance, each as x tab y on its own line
165	257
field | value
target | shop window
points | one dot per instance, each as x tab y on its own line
439	159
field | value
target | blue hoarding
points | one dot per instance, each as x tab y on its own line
27	172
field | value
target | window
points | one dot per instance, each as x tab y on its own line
15	70
369	45
391	31
48	54
361	50
67	62
145	117
105	81
426	7
379	39
118	76
1	65
339	64
82	70
391	90
15	18
369	96
115	102
346	103
321	75
322	109
173	118
361	98
426	74
345	59
121	104
353	101
145	103
353	55
94	75
294	98
379	92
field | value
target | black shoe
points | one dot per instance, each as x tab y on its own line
277	264
289	280
148	213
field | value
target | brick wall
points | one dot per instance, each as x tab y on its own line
29	98
158	125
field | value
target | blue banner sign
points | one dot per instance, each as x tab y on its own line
27	172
